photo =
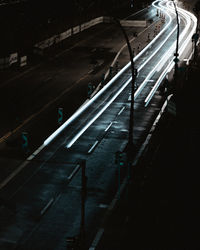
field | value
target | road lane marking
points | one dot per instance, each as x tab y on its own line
93	146
18	169
80	110
97	239
74	172
37	151
97	115
111	123
47	206
24	164
103	205
122	109
48	140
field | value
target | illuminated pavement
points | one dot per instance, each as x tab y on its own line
45	178
61	81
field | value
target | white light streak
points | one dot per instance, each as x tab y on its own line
169	67
97	115
84	107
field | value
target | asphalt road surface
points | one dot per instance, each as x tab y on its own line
45	200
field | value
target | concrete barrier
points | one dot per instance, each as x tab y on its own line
134	23
41	46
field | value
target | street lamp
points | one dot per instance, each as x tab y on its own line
175	87
195	37
83	197
130	146
177	43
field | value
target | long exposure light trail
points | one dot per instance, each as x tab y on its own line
97	115
139	90
166	57
188	16
91	101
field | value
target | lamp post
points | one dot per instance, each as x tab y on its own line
177	43
195	37
130	145
83	197
175	87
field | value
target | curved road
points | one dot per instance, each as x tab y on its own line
47	192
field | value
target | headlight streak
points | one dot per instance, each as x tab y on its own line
75	138
163	60
83	108
181	50
96	116
144	83
126	84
